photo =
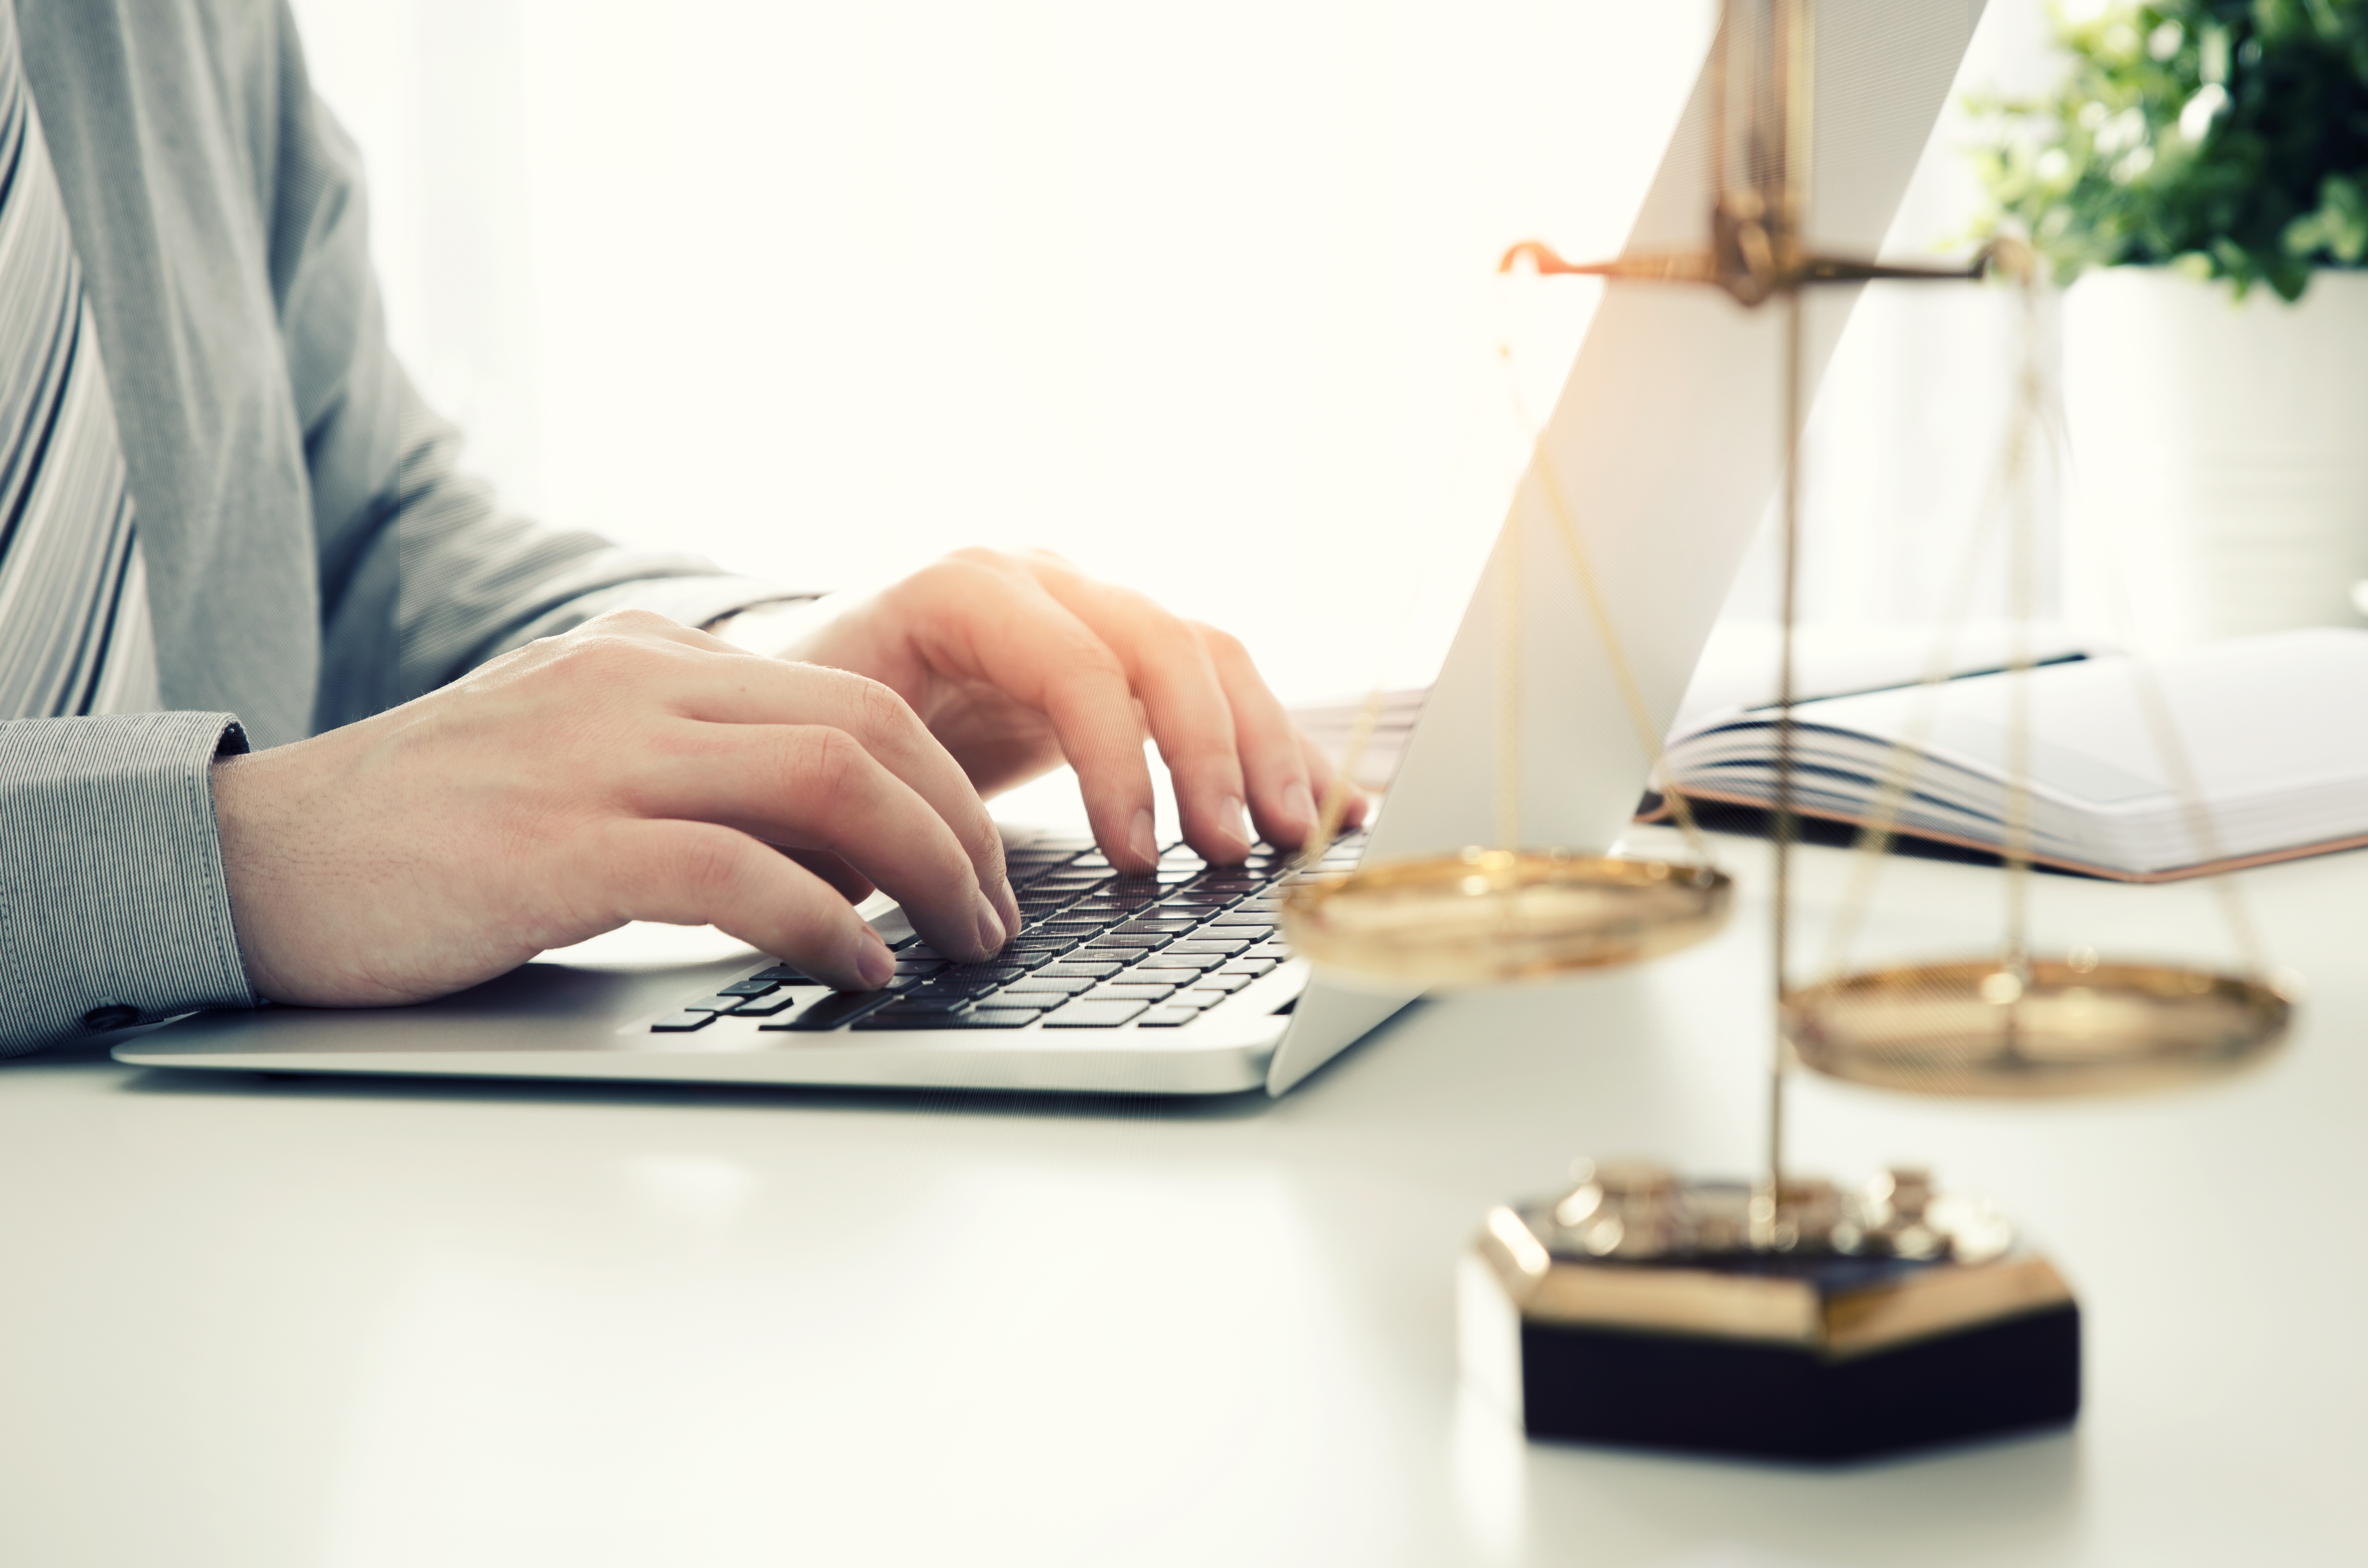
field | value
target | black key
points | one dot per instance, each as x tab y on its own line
995	1019
1245	920
959	990
715	1004
765	1006
914	1006
1196	898
1130	890
748	988
1220	983
1027	950
1027	958
1155	927
1194	999
1127	941
682	1023
1166	1018
1092	1015
1078	929
834	1010
1038	985
1275	950
919	966
1177	963
972	979
972	1019
781	972
1074	969
1251	967
1118	990
889	1018
1208	947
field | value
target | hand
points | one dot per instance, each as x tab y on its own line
1017	661
633	769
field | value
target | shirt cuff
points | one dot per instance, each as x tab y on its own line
694	601
114	909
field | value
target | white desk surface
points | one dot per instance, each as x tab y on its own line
253	1323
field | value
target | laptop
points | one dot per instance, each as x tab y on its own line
1665	442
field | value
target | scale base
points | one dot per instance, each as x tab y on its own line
1769	1401
1807	1357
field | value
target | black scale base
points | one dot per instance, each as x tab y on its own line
1668	1390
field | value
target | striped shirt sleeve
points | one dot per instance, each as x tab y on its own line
113	906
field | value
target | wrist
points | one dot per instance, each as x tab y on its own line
770	627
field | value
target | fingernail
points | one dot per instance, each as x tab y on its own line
1006	903
873	962
1299	808
990	927
1232	823
1140	842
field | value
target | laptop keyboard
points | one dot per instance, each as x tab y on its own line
1095	950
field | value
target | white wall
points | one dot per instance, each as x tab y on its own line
1200	297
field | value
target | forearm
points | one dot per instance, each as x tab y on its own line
114	909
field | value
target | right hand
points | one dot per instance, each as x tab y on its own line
630	770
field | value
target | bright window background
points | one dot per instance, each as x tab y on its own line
1201	297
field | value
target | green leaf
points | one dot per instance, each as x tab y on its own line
2265	187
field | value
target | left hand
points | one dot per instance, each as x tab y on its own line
1019	661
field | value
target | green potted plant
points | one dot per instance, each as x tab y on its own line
2199	177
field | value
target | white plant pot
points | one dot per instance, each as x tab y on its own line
2219	456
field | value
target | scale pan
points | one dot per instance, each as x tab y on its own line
1488	915
1975	1030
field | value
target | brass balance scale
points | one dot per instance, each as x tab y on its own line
1786	1316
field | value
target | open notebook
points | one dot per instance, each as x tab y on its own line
2275	729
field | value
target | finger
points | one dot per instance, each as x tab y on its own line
1183	698
693	873
979	622
1355	806
746	690
812	787
1281	787
850	883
